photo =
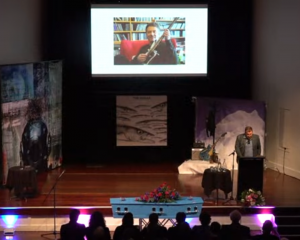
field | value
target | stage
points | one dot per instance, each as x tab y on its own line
90	188
94	185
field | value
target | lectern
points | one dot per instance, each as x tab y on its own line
250	174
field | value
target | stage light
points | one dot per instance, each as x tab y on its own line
189	220
10	220
9	233
263	217
84	219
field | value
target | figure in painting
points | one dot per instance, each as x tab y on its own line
36	141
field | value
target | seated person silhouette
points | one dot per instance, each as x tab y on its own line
202	231
127	229
97	220
154	231
182	230
235	231
267	229
72	230
215	229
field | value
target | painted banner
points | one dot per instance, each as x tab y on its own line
214	117
31	96
141	120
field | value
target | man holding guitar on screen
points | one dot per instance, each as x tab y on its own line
247	144
157	51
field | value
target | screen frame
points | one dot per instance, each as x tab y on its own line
167	70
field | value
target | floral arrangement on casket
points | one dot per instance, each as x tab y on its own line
161	194
252	197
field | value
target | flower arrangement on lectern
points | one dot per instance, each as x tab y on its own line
162	194
252	198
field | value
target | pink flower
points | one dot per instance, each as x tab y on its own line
161	194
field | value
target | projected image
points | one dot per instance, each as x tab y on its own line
149	40
127	41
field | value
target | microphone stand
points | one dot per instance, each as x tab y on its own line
231	198
54	206
283	164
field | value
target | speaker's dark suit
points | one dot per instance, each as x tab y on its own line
240	145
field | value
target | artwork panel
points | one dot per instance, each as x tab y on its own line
53	85
13	123
16	82
40	79
41	108
141	120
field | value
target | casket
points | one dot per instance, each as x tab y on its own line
191	206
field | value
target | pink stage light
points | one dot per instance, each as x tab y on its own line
261	218
84	219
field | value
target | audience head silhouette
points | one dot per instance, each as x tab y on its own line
215	228
235	216
180	217
127	220
74	214
153	218
205	218
97	220
267	227
182	230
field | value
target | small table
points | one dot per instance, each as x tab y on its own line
213	179
22	180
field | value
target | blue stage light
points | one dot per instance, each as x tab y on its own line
10	220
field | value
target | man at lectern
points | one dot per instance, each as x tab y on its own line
247	144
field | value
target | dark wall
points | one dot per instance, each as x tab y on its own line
89	104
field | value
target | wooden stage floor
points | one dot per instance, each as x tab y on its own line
92	186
